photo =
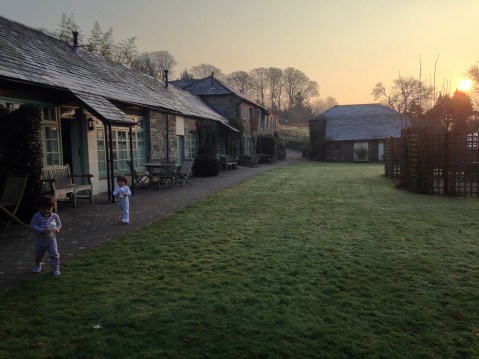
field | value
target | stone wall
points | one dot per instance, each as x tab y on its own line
162	136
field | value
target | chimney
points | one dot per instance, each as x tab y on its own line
76	47
212	79
166	77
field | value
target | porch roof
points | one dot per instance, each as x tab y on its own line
103	109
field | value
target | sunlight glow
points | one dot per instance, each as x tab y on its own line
464	85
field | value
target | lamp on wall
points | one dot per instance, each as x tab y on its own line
91	124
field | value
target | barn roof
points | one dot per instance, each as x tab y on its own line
362	122
28	55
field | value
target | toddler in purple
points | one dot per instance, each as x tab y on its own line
46	224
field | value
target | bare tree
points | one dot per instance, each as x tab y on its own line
205	70
259	81
320	105
275	85
405	92
240	81
298	85
155	63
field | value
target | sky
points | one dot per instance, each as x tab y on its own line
346	46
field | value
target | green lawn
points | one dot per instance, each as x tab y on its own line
305	261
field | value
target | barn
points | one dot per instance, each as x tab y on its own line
347	133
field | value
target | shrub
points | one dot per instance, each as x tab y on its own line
206	166
21	151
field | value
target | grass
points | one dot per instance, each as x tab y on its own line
305	261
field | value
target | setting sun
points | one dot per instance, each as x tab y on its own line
464	85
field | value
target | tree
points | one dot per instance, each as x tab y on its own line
320	105
240	81
275	86
454	113
259	81
205	70
185	75
99	42
155	63
297	84
66	27
404	92
95	38
473	74
125	52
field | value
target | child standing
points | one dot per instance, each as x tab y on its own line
46	224
122	192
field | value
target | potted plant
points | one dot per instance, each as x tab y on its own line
361	153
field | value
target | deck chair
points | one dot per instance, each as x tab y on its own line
11	197
184	172
140	178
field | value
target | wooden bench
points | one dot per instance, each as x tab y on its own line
60	182
229	161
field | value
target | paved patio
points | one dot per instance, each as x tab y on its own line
91	225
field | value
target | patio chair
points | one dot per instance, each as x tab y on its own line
184	172
140	178
11	197
166	176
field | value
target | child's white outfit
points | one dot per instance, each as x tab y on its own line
122	194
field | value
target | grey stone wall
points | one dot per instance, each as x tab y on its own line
162	136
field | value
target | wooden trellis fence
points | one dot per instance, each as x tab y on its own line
439	163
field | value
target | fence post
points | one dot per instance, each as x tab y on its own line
445	172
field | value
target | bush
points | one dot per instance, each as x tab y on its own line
21	152
206	166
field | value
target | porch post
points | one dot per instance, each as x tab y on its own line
130	133
112	171
108	157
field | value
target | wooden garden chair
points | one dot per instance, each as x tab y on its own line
140	178
184	172
11	197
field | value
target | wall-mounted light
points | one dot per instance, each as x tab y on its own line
91	124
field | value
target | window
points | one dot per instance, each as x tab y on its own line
51	145
121	148
139	147
192	145
180	149
101	146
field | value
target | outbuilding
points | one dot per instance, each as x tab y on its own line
347	133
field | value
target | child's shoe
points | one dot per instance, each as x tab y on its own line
38	268
56	271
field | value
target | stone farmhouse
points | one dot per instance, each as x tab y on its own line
98	114
223	99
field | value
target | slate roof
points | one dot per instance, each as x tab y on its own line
362	122
211	86
32	56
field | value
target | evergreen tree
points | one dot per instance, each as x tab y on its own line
66	27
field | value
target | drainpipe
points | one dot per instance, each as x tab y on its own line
167	139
